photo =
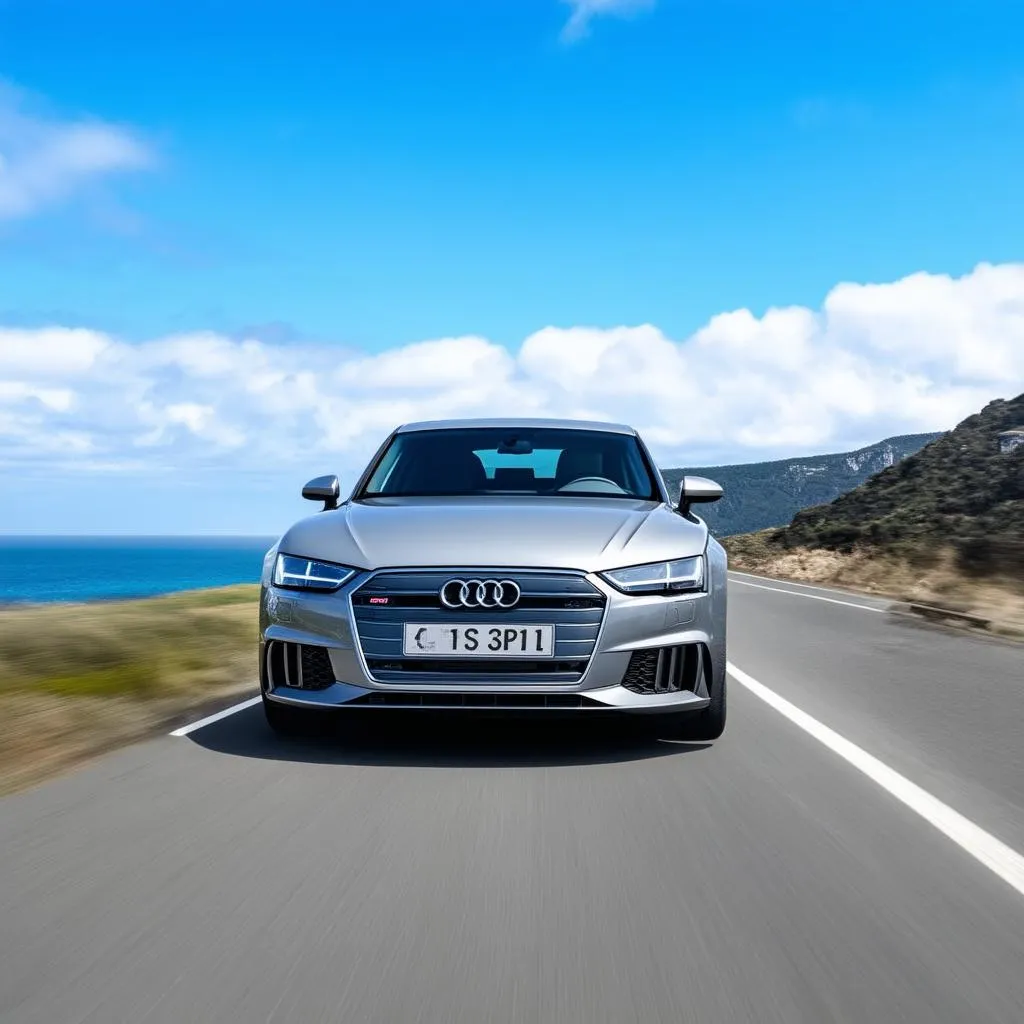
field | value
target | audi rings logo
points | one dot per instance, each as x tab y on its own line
480	594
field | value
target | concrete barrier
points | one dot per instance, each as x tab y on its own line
931	612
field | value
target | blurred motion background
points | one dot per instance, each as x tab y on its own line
239	243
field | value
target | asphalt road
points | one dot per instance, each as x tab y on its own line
517	874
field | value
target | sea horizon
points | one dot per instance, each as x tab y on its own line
42	568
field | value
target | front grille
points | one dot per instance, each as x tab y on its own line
664	669
563	599
499	701
299	666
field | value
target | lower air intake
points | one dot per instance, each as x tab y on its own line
664	669
298	666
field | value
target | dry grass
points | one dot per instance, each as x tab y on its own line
932	580
76	680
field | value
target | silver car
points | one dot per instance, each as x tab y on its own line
503	565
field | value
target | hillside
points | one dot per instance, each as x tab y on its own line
764	494
960	491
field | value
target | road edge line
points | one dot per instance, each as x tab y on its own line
993	853
810	597
210	719
854	592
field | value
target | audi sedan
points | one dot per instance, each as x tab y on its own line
500	565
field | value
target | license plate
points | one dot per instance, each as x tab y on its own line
483	641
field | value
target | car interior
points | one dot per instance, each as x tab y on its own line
464	462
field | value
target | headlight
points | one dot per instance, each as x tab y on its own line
659	577
307	574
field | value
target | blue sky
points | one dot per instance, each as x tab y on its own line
339	181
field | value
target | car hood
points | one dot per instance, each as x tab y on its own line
589	534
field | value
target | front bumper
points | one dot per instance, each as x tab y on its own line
612	698
629	623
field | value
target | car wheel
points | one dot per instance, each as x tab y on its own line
285	720
697	726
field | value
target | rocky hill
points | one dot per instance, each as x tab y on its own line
765	494
963	491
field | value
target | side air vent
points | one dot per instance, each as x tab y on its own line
664	669
298	666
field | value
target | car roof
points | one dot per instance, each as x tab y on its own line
514	422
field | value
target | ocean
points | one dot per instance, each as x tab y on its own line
104	568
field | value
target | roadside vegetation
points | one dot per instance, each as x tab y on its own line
930	577
79	679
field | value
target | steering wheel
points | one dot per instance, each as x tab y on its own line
576	484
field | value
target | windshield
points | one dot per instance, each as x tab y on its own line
494	460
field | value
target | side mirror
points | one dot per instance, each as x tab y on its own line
697	490
325	489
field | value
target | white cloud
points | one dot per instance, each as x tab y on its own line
429	364
584	11
875	360
58	399
44	160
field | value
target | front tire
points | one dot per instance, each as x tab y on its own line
697	726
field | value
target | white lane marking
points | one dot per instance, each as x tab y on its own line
234	709
790	583
810	597
981	845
